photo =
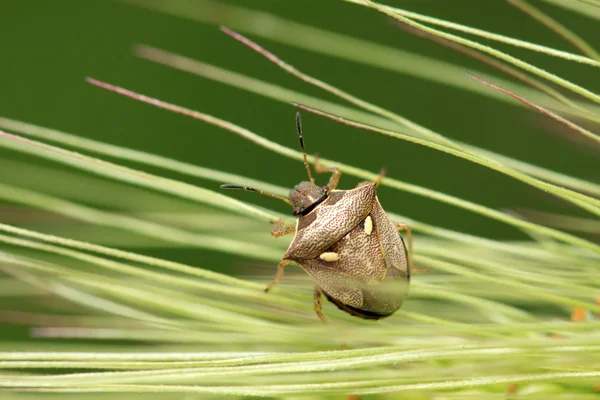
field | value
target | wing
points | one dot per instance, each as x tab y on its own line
392	246
370	277
355	297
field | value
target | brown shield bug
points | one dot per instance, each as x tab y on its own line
346	243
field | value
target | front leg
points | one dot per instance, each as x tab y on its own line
377	180
335	174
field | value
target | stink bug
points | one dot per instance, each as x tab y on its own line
346	243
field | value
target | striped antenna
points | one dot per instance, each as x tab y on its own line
299	129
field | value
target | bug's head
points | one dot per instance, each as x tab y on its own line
305	196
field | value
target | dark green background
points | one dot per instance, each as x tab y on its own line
49	47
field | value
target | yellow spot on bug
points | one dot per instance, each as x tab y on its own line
330	256
368	225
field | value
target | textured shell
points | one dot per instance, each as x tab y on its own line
330	221
370	279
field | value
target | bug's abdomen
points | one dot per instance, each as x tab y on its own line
358	312
365	273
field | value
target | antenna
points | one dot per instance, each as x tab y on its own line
249	189
299	129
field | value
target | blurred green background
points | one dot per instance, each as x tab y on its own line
49	47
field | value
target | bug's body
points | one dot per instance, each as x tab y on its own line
369	249
348	245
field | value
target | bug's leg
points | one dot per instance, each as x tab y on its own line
281	229
335	174
377	180
319	305
278	275
380	178
404	228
